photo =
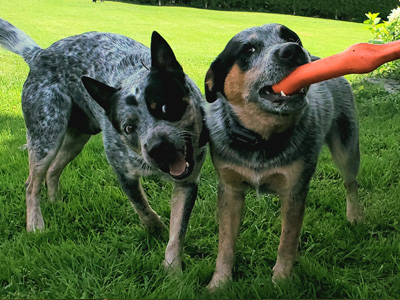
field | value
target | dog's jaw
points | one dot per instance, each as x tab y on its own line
281	104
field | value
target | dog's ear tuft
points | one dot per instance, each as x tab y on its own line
100	92
162	56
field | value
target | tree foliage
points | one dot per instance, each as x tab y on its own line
350	10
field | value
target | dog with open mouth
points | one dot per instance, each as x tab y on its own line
271	142
149	111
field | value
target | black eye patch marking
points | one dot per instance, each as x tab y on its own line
131	100
166	97
168	109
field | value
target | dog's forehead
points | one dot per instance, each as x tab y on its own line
267	34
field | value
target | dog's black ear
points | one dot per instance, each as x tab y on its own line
215	79
162	56
209	83
219	69
100	92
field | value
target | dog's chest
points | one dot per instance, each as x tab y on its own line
274	180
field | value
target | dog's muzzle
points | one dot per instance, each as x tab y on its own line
288	57
178	162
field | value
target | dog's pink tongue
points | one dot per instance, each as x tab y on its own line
178	166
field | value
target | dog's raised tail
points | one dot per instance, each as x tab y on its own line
17	41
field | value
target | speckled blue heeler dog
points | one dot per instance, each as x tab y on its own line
271	141
149	111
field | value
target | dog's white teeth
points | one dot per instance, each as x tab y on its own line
187	165
283	94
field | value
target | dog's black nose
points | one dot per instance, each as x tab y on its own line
292	53
159	148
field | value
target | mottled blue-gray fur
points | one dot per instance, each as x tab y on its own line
60	117
271	142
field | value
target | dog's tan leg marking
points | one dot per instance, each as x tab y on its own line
354	210
72	145
292	210
231	194
37	172
182	201
286	182
348	165
173	259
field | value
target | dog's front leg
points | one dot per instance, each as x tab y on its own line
292	210
148	216
230	206
182	202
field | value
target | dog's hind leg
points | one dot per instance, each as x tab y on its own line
182	202
72	145
344	146
37	173
46	113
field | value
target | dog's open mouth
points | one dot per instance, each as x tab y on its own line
280	98
179	163
287	103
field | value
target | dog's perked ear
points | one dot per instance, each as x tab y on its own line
167	88
100	92
162	56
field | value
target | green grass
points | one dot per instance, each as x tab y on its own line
94	245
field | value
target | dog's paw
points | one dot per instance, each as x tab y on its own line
172	268
355	214
218	282
280	274
35	223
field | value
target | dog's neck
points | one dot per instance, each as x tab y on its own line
243	137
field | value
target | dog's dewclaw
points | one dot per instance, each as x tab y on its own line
357	59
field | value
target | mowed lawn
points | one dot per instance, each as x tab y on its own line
94	245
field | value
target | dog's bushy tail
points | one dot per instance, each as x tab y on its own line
17	41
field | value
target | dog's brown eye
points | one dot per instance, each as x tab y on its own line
129	129
251	50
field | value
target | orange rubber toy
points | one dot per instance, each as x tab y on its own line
357	59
